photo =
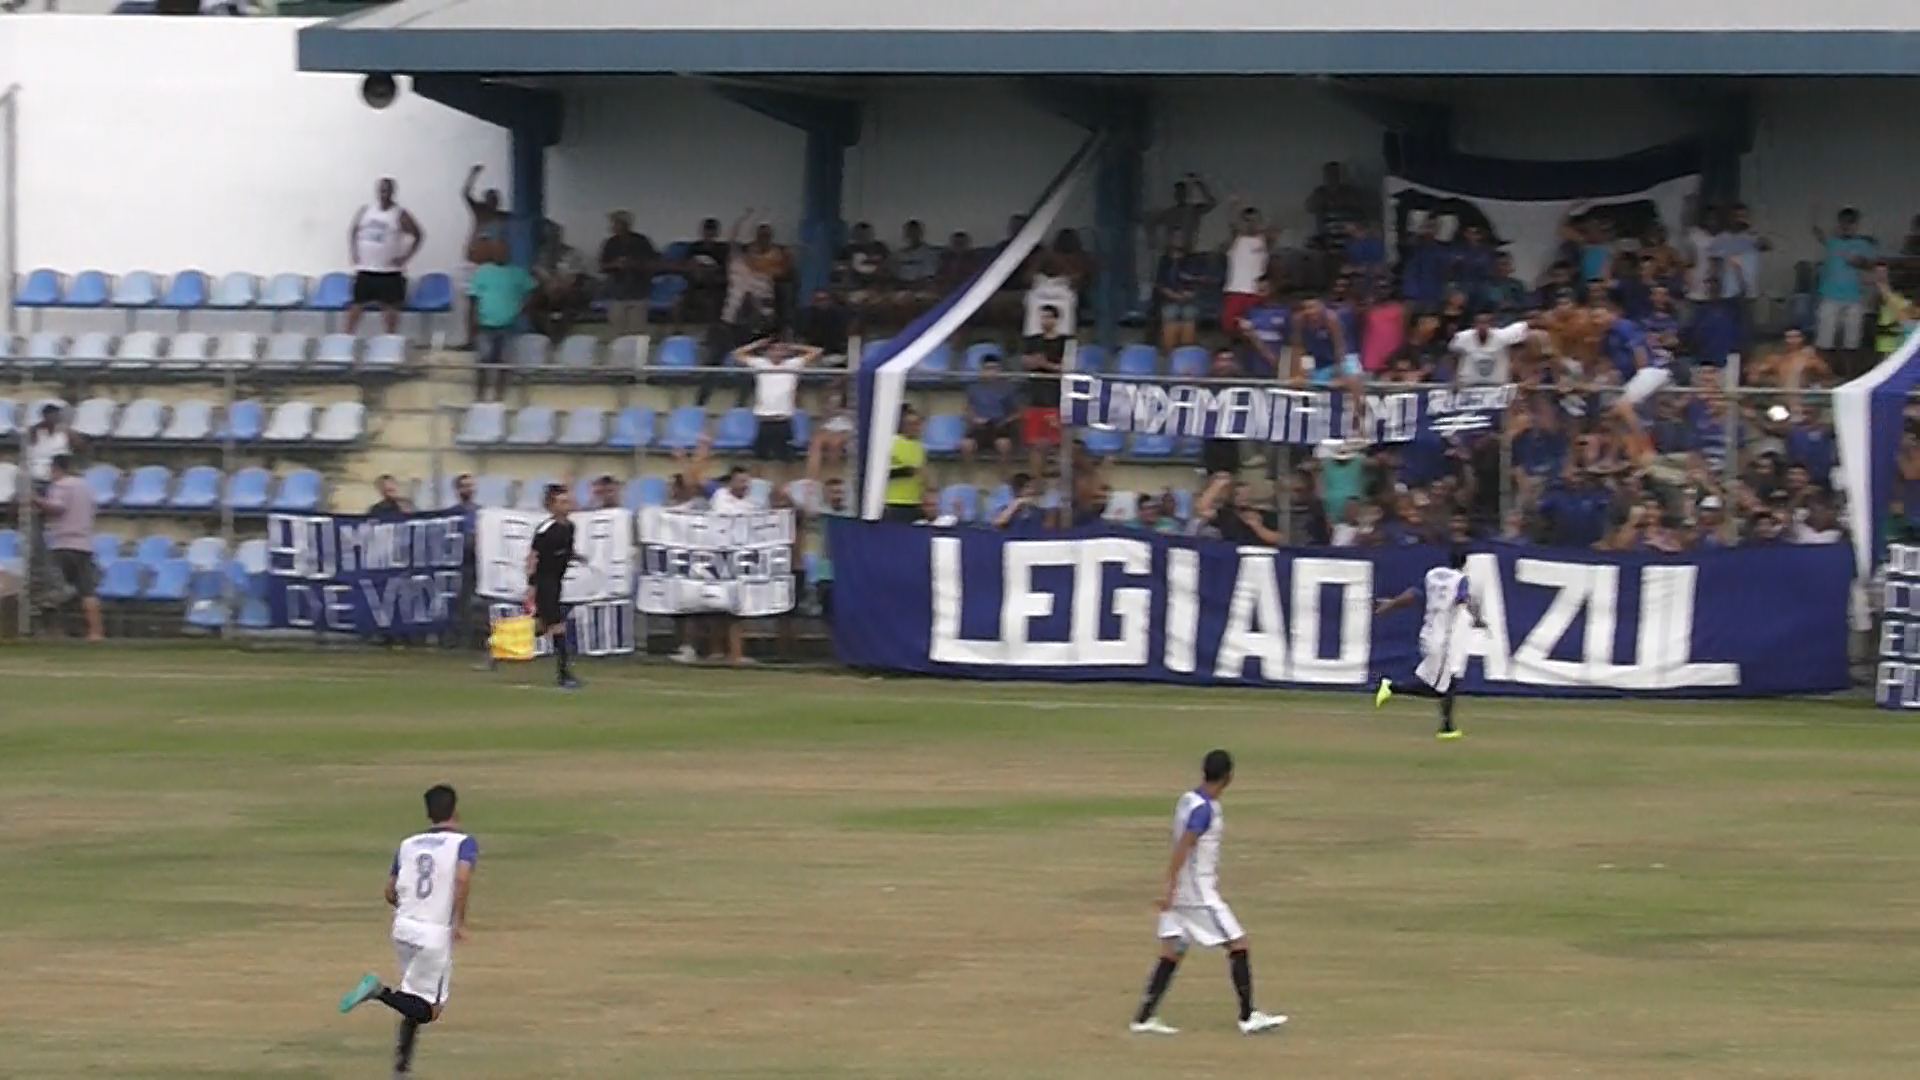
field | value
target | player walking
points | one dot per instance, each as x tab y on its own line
1451	612
547	561
427	889
1191	910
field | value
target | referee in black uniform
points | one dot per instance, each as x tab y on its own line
547	561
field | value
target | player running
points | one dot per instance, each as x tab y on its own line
1443	637
427	889
1191	910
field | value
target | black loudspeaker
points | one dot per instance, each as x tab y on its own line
176	7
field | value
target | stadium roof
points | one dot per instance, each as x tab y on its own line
1122	37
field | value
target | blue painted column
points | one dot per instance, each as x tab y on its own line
1115	210
529	197
823	223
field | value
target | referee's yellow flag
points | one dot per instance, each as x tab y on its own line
512	638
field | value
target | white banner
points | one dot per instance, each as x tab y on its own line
693	563
1528	229
604	539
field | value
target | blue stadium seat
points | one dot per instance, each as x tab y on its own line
93	419
333	293
684	427
136	289
492	489
247	490
632	428
141	421
1141	360
677	251
1183	504
1153	445
284	292
802	428
9	545
978	355
1189	362
199	489
235	291
207	554
529	351
206	612
579	352
254	615
103	482
1090	358
244	421
146	488
188	352
121	581
341	423
997	501
153	550
944	432
433	293
735	431
9	418
170	581
532	426
237	349
962	501
483	424
532	494
291	422
936	365
649	491
188	290
678	351
87	289
585	426
106	549
665	293
287	351
337	351
43	350
138	351
299	492
192	421
386	351
40	289
1104	443
91	351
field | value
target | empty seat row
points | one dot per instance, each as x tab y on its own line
632	428
146	351
968	504
204	488
193	421
192	289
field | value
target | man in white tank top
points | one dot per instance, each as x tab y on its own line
383	239
427	889
1450	616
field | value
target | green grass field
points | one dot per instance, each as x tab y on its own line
763	874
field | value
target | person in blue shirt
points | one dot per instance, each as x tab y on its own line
991	403
1503	293
1366	247
1848	257
500	292
1321	351
1662	323
1577	509
1643	373
1181	276
1263	329
1713	333
1810	445
1424	264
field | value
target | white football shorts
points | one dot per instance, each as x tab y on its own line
1645	383
1443	657
1206	925
424	970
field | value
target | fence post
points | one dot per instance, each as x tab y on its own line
228	459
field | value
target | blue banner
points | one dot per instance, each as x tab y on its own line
1278	414
1096	603
391	574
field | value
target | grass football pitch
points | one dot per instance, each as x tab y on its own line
762	874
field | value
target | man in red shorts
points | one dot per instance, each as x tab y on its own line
1044	355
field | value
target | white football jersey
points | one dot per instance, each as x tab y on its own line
1447	590
1198	883
424	870
1489	361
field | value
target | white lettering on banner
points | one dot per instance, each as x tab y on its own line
1021	603
1896	685
1183	609
1355	582
1255	627
1489	641
603	539
1665	641
693	562
1274	413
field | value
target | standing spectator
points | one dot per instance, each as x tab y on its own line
1264	329
1703	229
1738	248
776	385
1343	472
705	269
1177	287
384	237
906	470
473	621
565	290
1847	258
1051	286
733	497
1820	527
1321	352
754	274
68	505
627	259
1221	457
48	439
390	504
1484	353
501	295
915	266
606	493
1178	226
1335	204
1044	355
1248	253
991	401
489	220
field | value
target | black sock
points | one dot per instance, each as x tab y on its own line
413	1008
1157	984
403	1045
560	653
1446	711
1242	970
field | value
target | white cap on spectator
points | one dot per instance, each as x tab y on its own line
1711	502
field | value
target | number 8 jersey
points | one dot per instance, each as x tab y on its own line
423	871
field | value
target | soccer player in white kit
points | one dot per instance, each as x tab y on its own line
427	889
1450	614
1191	910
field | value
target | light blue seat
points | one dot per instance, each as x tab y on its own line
244	422
138	351
432	294
944	432
9	418
284	292
1090	358
632	428
483	424
207	554
677	353
529	351
578	353
665	292
140	421
91	351
627	352
300	492
341	423
10	545
980	353
237	349
252	557
103	483
333	292
736	430
386	351
291	422
235	291
936	365
584	426
1103	442
287	351
532	493
1189	362
199	489
802	429
151	551
1153	445
146	488
1183	504
93	419
137	289
255	615
87	289
962	501
997	501
43	350
40	289
648	491
187	290
170	581
493	489
106	550
192	421
337	351
188	352
206	612
9	482
247	490
121	581
532	426
1138	360
685	425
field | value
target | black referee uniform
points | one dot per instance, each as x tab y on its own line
552	554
